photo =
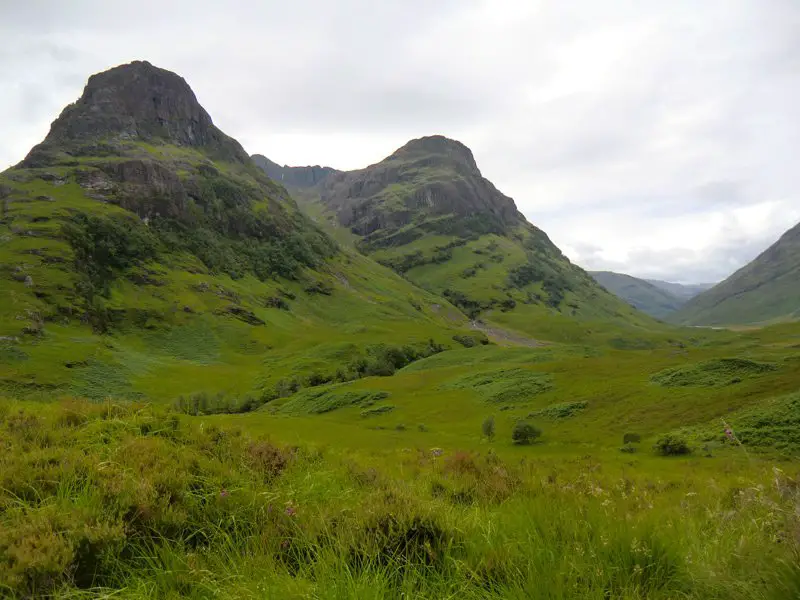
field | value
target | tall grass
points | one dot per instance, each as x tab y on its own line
129	501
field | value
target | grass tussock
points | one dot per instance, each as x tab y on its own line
562	410
504	385
711	373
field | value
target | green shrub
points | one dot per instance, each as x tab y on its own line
319	287
276	302
672	444
383	360
562	410
524	433
487	428
203	403
378	410
711	373
631	438
472	340
504	385
103	246
322	400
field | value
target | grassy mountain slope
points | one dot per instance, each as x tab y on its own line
428	213
144	255
639	293
767	289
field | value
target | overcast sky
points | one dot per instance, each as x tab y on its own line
656	138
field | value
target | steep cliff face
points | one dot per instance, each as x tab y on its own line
293	177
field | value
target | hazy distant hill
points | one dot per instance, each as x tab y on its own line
681	290
764	290
293	177
644	295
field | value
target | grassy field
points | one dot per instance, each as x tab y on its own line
388	487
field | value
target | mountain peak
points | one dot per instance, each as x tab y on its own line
135	102
430	184
437	145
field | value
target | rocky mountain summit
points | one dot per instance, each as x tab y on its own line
432	182
136	102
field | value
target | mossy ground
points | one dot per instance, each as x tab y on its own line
311	497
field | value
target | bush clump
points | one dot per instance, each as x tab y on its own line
320	400
472	340
525	433
631	438
563	410
204	403
505	385
378	410
672	444
488	428
712	373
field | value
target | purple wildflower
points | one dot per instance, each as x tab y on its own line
224	493
291	511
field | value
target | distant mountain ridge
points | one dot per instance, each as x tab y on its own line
293	177
764	290
685	291
642	294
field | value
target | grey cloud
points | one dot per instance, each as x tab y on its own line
683	265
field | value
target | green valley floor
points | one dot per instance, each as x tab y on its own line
662	467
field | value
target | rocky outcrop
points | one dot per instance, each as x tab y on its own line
147	188
134	102
293	177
